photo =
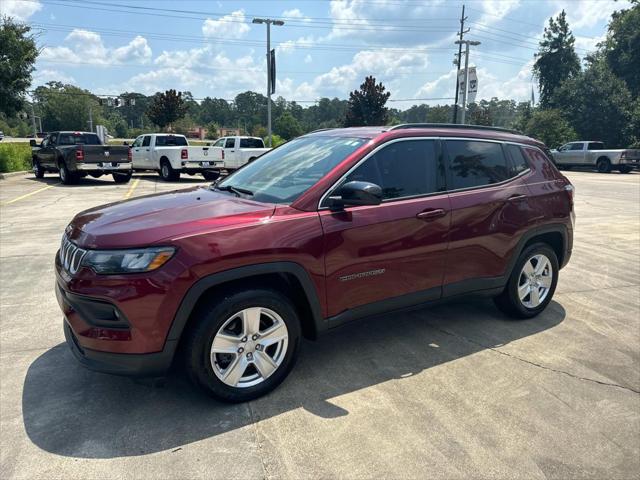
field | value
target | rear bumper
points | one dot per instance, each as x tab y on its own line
104	167
187	165
137	365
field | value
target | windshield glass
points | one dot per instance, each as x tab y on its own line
170	141
285	173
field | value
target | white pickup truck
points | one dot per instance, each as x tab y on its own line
236	151
593	154
170	155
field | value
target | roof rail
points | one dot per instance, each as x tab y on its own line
452	125
320	130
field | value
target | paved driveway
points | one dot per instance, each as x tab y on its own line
453	391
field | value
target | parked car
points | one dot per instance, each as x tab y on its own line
237	151
594	154
74	155
170	155
331	227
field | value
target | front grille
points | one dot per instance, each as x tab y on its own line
71	255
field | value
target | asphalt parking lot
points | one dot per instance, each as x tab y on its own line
453	391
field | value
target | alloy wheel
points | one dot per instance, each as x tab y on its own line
535	281
249	347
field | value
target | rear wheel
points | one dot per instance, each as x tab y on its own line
66	176
211	176
243	346
167	173
532	283
603	165
121	177
38	171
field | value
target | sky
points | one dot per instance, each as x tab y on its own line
324	49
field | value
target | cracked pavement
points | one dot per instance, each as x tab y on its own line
448	392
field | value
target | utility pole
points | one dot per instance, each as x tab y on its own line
457	63
268	22
467	43
33	121
90	119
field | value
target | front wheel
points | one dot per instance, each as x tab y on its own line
38	171
244	346
121	177
532	283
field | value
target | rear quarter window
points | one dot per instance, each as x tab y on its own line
519	163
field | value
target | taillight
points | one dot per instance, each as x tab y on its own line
184	154
79	155
129	157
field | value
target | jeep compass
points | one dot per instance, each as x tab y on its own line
330	227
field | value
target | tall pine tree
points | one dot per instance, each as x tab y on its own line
367	105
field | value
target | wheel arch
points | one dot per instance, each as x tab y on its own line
285	277
557	236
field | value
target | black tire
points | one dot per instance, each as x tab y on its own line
252	159
211	176
625	169
509	300
66	177
211	318
167	173
121	177
38	171
603	165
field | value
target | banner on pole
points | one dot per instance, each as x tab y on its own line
460	86
473	85
272	71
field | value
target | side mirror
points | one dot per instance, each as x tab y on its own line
125	143
33	143
356	193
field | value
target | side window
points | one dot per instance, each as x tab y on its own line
402	169
53	139
138	142
575	146
518	162
595	146
476	163
146	141
220	143
230	143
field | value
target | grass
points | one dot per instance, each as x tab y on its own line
15	157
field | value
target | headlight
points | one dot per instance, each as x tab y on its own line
127	261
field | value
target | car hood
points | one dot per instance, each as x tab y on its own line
161	217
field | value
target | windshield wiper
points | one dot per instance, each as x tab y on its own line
237	190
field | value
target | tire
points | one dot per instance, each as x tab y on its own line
603	165
625	169
167	173
225	316
251	159
121	177
510	301
66	177
211	176
38	171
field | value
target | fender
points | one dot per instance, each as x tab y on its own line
198	288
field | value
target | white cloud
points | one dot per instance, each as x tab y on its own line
84	46
588	44
587	13
308	58
229	26
496	10
20	10
40	77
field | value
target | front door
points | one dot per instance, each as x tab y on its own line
137	156
393	253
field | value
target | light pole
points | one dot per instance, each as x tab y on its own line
269	22
466	43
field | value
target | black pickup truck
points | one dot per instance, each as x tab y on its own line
74	155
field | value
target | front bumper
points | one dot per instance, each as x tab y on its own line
131	364
104	167
630	164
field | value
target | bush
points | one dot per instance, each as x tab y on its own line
15	157
275	140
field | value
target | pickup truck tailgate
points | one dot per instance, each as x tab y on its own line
104	153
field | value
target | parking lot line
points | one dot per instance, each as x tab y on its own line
26	195
132	188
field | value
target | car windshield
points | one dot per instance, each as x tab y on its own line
170	141
285	173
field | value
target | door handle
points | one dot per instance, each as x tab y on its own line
431	214
147	149
516	198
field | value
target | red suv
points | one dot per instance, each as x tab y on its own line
329	227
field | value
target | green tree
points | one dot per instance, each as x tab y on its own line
66	107
556	60
622	46
18	53
550	127
597	104
367	105
287	126
166	108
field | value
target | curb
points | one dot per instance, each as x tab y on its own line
12	174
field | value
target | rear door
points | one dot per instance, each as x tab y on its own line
230	153
490	209
395	249
146	153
